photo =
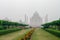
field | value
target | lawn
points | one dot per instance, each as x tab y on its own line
12	36
41	34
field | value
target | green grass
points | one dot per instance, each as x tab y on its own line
14	35
41	34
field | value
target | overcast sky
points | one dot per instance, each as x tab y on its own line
16	9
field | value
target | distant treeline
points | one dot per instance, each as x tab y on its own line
4	24
54	25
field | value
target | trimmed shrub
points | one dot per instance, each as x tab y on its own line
54	32
1	27
2	32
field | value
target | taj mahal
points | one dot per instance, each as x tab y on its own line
36	20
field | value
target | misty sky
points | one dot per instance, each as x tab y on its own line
16	9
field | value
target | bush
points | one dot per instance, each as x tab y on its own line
54	32
2	32
1	27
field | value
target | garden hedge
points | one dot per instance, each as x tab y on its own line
2	32
54	32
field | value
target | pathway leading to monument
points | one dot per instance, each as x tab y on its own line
40	34
13	35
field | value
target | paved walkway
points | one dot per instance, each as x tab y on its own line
13	35
40	34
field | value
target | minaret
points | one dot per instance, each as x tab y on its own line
26	19
46	18
59	18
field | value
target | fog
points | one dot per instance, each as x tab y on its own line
16	9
